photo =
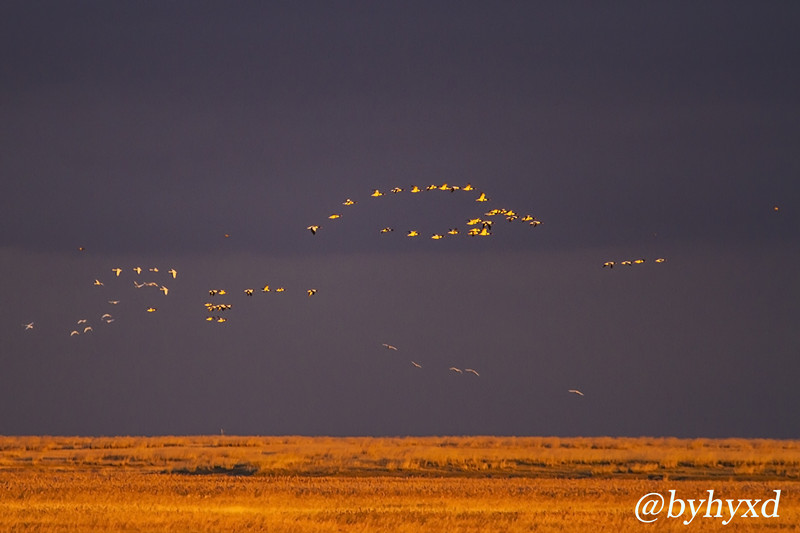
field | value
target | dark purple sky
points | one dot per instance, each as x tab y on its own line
145	131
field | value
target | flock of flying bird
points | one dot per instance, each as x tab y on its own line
481	225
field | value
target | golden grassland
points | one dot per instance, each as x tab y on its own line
314	484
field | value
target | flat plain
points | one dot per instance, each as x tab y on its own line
315	484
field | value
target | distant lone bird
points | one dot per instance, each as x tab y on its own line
151	309
313	229
28	326
416	364
471	371
576	391
389	347
482	198
116	271
173	272
311	292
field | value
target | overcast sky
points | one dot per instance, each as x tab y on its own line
145	132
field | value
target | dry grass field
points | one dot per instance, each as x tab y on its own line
305	484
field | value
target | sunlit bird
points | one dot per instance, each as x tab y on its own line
412	233
248	292
376	193
482	198
154	269
311	292
138	270
387	230
454	369
660	260
473	221
467	187
396	190
74	332
82	321
471	371
415	189
173	272
452	231
151	309
349	202
335	216
265	288
389	347
87	329
313	229
576	391
416	364
116	271
28	326
609	264
280	289
638	261
98	283
437	236
164	290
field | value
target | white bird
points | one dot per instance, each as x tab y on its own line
138	285
416	364
28	325
471	371
454	369
87	329
74	332
575	391
105	316
82	321
389	347
113	302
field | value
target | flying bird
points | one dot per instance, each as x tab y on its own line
173	272
389	347
98	283
28	326
349	202
437	236
164	290
87	329
609	264
154	269
482	198
416	364
113	302
576	391
116	271
467	187
471	371
387	230
660	260
376	193
138	270
151	309
74	332
335	216
248	292
412	233
415	189
454	369
396	190
265	288
313	229
311	292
